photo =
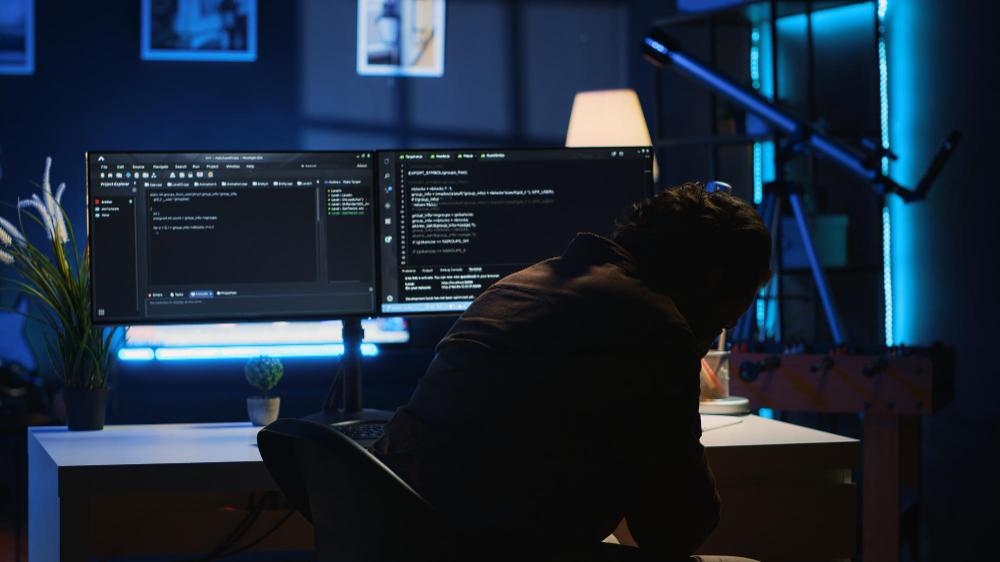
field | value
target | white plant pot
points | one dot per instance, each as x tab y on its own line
263	411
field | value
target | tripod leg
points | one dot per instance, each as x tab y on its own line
822	285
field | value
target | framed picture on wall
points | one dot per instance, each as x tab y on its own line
17	36
199	30
401	37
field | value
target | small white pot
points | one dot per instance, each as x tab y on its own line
263	411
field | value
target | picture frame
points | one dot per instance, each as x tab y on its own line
17	37
199	30
401	38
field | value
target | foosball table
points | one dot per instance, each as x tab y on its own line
891	389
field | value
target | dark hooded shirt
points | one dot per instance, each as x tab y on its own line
564	399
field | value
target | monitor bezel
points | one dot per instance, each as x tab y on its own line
97	321
649	191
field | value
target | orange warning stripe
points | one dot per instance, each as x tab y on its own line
805	389
856	386
915	391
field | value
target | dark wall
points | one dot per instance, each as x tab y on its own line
942	69
91	91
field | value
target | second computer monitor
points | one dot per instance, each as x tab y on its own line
453	222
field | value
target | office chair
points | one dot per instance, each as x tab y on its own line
360	510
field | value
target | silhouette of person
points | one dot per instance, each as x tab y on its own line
565	398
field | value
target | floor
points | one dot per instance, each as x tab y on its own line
7	539
9	554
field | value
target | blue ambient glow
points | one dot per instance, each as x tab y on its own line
908	96
766	413
240	351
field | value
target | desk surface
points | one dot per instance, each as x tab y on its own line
755	430
185	444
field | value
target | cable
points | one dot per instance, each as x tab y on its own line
333	396
240	531
262	537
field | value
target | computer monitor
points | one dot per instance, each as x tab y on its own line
230	236
452	222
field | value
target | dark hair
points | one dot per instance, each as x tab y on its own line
683	236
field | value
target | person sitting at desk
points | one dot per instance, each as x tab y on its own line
565	398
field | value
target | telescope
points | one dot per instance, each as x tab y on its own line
662	50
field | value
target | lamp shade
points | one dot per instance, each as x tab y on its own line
608	118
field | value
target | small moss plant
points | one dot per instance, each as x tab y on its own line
263	372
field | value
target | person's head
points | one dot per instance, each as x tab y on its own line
710	252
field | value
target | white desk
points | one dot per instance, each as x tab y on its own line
159	489
786	490
146	490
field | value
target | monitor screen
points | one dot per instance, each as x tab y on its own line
452	222
212	236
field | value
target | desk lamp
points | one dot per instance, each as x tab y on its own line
608	118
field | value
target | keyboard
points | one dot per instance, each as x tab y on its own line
361	431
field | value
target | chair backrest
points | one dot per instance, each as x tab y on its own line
360	510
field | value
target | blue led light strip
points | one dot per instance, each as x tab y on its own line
883	91
758	150
758	176
239	351
887	273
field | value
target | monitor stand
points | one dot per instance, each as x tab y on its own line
348	382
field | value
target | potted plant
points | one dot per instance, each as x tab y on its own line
57	278
263	372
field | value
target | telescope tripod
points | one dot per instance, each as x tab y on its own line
776	195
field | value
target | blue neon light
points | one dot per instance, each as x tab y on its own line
758	176
763	152
883	91
240	351
135	354
887	273
766	413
